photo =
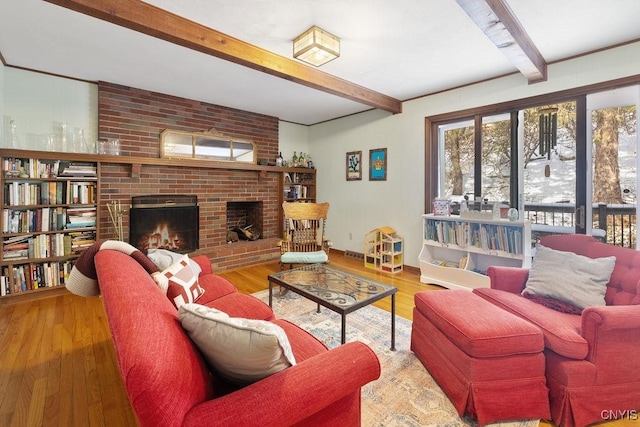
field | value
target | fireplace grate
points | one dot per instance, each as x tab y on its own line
164	222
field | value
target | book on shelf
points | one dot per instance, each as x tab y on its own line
77	169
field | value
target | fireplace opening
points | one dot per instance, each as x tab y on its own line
244	219
164	222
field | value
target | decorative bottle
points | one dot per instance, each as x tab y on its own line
294	160
279	159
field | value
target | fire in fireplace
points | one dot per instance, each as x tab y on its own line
164	222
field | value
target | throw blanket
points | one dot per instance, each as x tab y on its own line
83	279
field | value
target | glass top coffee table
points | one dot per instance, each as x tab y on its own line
336	290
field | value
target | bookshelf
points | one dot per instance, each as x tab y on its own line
49	216
456	252
295	185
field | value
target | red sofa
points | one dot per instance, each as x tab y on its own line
592	363
169	383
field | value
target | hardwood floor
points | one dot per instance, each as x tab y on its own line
57	361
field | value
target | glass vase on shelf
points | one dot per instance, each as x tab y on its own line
81	143
14	141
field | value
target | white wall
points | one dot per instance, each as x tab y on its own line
40	103
359	206
293	137
2	113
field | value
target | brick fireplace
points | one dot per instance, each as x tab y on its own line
137	117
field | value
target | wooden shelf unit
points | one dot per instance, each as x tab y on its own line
456	252
295	185
49	216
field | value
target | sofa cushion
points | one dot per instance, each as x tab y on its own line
475	326
574	279
242	350
179	282
561	330
241	305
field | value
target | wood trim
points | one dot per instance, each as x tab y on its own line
153	21
534	101
137	162
496	19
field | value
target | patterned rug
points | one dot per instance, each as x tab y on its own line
405	394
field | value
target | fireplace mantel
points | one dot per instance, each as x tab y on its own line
136	162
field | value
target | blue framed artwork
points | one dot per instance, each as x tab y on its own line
378	164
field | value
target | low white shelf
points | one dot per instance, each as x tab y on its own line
456	252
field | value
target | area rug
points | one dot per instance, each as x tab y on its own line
405	394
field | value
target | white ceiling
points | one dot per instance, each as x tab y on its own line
401	48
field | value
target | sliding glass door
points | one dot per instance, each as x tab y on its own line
569	167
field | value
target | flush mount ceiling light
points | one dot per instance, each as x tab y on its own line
316	47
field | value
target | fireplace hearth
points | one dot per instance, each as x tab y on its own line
164	222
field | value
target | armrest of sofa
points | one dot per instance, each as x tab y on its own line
294	394
204	262
510	279
613	335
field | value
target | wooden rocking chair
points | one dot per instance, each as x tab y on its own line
304	234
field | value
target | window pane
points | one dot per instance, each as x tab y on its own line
457	148
614	162
550	173
496	157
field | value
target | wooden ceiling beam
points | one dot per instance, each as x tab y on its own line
153	21
496	19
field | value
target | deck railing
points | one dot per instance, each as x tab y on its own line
616	222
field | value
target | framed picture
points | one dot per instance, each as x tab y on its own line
354	166
378	164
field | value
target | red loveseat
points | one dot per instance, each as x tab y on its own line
592	363
169	383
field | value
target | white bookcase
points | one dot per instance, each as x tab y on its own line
456	252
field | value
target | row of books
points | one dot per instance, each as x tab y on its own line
46	245
81	240
48	219
49	192
32	168
40	246
27	277
36	168
296	192
485	236
447	232
78	169
497	238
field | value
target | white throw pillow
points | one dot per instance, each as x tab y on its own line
569	277
164	259
242	350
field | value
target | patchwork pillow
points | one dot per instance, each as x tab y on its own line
571	278
164	258
241	350
179	282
